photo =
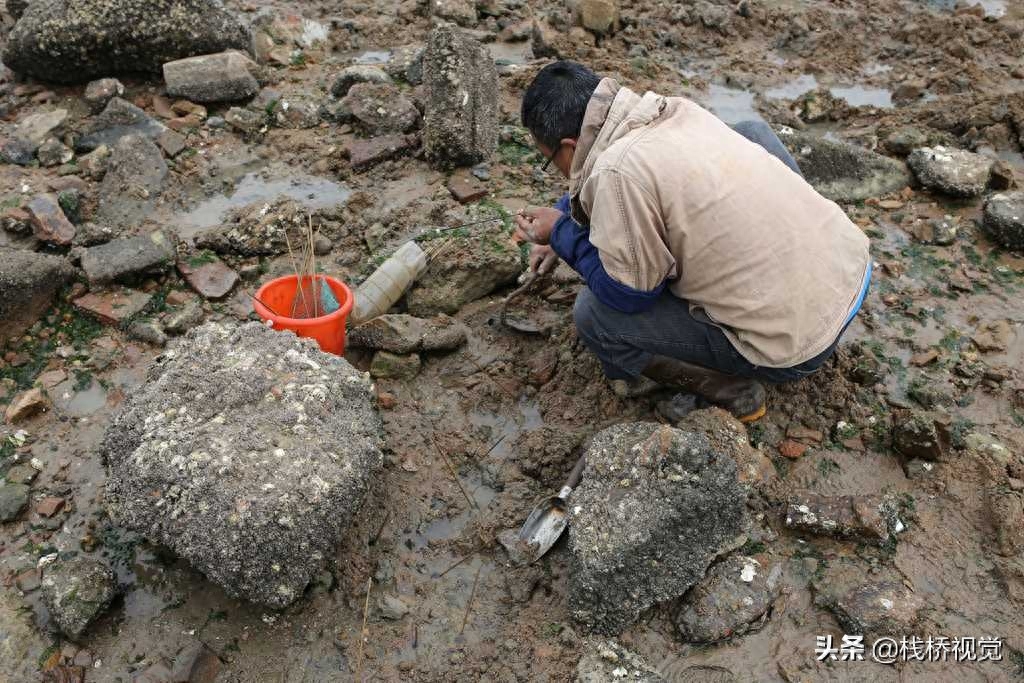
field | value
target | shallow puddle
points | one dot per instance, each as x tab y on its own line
311	191
730	105
993	8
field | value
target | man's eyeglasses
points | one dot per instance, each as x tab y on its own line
544	168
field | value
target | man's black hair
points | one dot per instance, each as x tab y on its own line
554	104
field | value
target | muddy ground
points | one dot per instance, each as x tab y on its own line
511	411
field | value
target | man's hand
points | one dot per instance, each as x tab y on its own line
535	225
543	259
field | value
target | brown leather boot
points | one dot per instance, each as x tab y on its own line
744	398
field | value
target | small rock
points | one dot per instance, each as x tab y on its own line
297	115
13	499
367	152
678	407
135	177
607	662
114	307
869	519
99	93
461	12
1004	219
36	128
53	152
17	151
993	337
903	141
918	436
919	469
792	449
732	599
21	474
94	164
1003	177
221	77
805	434
598	16
940	231
245	120
195	664
172	143
208	275
403	334
951	171
49	223
28	580
924	358
76	591
25	405
49	506
29	282
406	64
386	365
149	331
392	607
466	190
359	73
128	259
377	108
118	119
874	609
180	322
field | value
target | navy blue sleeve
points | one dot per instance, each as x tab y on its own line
571	242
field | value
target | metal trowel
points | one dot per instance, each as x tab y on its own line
548	520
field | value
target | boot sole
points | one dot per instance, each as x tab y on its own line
754	416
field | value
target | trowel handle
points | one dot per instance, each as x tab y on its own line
574	477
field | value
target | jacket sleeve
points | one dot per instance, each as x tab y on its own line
626	265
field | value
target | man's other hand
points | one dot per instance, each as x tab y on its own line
535	225
543	259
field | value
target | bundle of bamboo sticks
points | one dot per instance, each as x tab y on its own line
311	296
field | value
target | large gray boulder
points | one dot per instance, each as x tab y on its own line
246	452
841	171
460	125
28	284
73	41
1004	219
655	507
954	172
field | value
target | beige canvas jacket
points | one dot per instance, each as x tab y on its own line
668	190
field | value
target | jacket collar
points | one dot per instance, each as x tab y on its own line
612	112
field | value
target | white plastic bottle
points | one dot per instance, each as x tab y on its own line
388	283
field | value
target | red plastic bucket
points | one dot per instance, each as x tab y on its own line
328	330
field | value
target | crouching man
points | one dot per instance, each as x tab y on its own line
711	265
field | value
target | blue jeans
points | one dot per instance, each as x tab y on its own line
625	342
